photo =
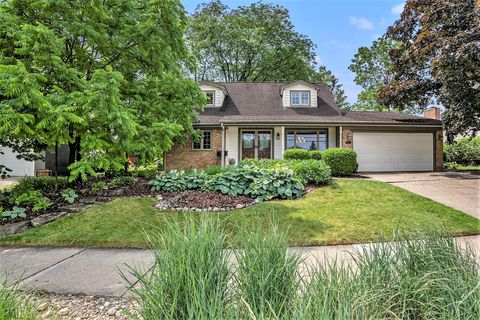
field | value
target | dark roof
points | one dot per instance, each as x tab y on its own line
260	102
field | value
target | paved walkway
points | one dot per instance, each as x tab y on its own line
96	271
458	190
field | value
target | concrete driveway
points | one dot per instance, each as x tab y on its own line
455	189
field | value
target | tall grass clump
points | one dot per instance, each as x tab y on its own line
13	305
420	276
190	275
267	278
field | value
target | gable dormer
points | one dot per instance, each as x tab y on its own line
215	93
299	94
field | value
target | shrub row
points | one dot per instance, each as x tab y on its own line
238	180
464	151
342	161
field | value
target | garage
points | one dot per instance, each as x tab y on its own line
19	167
381	151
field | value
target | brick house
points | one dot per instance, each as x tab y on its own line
263	119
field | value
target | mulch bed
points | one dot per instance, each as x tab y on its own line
209	200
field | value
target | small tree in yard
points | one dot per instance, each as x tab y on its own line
104	78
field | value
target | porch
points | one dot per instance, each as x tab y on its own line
242	142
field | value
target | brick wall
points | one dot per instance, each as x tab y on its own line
347	138
182	156
439	150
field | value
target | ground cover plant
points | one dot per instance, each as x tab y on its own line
419	276
30	197
346	211
245	180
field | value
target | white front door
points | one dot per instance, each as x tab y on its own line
377	151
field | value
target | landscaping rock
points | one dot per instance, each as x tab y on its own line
48	217
75	207
103	199
89	200
239	206
13	228
118	192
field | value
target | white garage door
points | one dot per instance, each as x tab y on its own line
394	151
18	167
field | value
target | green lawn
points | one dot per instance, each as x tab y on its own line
349	211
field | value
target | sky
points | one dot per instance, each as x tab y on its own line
337	27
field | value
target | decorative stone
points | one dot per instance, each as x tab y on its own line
13	228
103	199
117	193
215	209
112	311
159	197
63	312
42	307
48	217
89	200
73	208
239	206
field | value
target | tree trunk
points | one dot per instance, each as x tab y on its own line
56	166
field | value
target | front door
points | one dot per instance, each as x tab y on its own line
256	144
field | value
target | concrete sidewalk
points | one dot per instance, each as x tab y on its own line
96	271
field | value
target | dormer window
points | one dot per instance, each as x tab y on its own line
300	98
210	98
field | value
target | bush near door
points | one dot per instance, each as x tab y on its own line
342	161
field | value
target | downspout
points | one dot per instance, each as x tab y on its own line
341	136
222	152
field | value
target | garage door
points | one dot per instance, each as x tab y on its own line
18	167
394	151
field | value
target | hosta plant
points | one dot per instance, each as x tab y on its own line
275	184
14	213
69	195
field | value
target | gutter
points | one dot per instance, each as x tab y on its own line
222	152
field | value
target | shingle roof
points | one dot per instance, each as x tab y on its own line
256	102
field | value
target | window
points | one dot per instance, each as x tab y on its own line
300	98
205	142
307	139
210	98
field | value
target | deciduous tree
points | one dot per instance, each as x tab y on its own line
106	77
438	61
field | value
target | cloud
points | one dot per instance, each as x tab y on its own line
361	22
398	9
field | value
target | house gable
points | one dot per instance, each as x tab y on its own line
219	92
298	86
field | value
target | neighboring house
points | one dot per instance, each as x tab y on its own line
19	167
263	119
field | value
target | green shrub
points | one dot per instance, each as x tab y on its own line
213	170
315	154
296	154
170	181
312	171
145	171
342	161
99	185
464	151
41	205
14	213
42	184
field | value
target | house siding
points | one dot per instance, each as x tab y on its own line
182	156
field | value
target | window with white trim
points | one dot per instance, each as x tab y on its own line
300	98
210	98
205	141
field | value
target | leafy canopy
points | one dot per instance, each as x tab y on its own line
437	61
107	75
